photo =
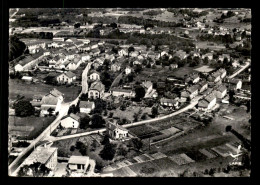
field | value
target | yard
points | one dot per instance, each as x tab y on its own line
28	127
18	87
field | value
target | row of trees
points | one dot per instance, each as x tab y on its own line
16	47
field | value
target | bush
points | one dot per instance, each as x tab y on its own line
72	148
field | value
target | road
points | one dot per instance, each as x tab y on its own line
14	166
191	105
17	9
240	70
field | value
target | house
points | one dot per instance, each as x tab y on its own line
208	102
181	54
95	51
116	131
96	90
194	78
223	73
215	77
203	85
86	58
134	54
190	92
122	92
45	155
70	121
169	102
209	55
78	163
115	67
52	100
84	48
223	56
27	78
174	66
122	52
221	91
128	70
66	78
93	45
137	62
148	86
74	64
110	55
94	75
36	101
86	106
235	84
24	64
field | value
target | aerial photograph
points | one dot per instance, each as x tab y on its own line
129	92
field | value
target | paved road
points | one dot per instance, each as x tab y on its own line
240	70
14	166
191	105
17	9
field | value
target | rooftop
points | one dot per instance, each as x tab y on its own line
40	154
78	160
86	104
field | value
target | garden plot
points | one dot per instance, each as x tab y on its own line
108	169
121	164
165	163
144	131
133	161
196	155
151	158
128	162
114	166
158	155
170	131
124	172
222	150
186	125
87	140
162	125
142	158
145	169
207	153
181	159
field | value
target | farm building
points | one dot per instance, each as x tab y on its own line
86	106
70	121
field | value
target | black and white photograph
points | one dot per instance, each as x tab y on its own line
129	92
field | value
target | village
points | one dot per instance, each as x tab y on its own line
118	104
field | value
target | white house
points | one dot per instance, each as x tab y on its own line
128	70
78	163
96	90
221	91
86	106
122	92
70	121
208	102
66	78
94	75
52	100
122	52
116	131
169	102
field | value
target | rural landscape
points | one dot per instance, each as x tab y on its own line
129	92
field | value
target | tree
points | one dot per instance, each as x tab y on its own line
37	169
84	122
23	108
136	143
154	111
77	25
131	49
139	92
248	106
16	48
105	140
108	152
97	121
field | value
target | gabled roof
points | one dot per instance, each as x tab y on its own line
210	97
26	60
73	116
192	89
114	126
78	160
70	74
86	104
166	100
147	84
222	88
97	85
56	93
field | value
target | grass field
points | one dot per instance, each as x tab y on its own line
38	124
17	87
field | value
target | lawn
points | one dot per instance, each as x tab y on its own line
29	127
17	87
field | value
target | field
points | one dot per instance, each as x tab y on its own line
17	87
204	45
144	131
29	126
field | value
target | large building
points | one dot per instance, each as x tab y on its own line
44	154
96	90
52	100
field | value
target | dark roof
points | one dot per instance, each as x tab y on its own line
70	74
97	85
56	93
113	126
210	97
